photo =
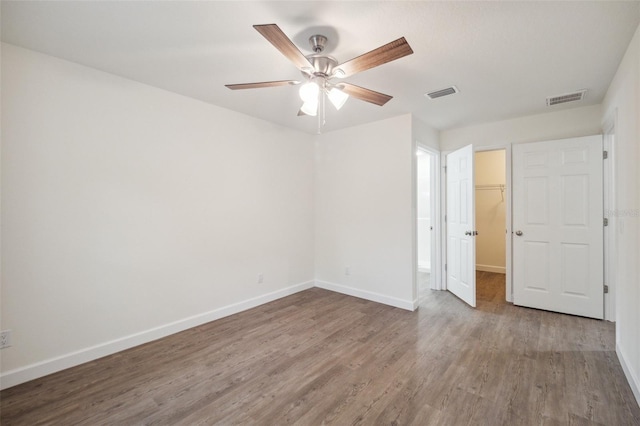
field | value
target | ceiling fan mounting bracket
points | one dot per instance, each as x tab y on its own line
317	42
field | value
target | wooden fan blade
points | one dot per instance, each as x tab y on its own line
262	84
365	94
383	54
275	36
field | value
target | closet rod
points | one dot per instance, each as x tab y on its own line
496	186
499	187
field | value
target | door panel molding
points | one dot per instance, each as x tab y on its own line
460	213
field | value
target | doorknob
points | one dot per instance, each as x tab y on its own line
468	233
519	233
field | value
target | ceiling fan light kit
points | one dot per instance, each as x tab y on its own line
309	91
317	86
319	69
337	97
309	108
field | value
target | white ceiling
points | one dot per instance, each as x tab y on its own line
504	57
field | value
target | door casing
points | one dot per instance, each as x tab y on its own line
436	282
610	203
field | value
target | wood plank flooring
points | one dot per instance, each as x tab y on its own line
319	357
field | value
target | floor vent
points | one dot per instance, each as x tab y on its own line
443	92
568	97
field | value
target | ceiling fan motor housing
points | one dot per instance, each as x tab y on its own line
323	66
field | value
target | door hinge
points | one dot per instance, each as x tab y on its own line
605	154
606	289
445	266
606	221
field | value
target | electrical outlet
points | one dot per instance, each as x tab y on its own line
347	270
5	339
260	278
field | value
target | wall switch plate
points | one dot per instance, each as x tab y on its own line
347	271
260	278
5	339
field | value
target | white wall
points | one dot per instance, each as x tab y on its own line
623	101
491	211
562	124
364	213
129	212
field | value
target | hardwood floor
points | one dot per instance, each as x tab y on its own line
319	357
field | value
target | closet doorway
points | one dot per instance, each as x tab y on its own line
491	225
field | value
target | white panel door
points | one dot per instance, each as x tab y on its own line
558	226
461	247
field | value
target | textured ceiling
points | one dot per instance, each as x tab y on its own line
504	57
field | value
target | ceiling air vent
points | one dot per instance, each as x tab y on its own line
568	97
444	92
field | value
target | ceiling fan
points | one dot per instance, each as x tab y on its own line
319	71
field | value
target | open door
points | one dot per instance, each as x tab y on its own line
460	221
558	226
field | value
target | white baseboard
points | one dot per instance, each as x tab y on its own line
53	365
632	377
409	305
491	268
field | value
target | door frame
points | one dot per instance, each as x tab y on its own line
435	282
610	206
507	199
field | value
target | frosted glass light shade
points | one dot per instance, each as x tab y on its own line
337	97
309	92
310	107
